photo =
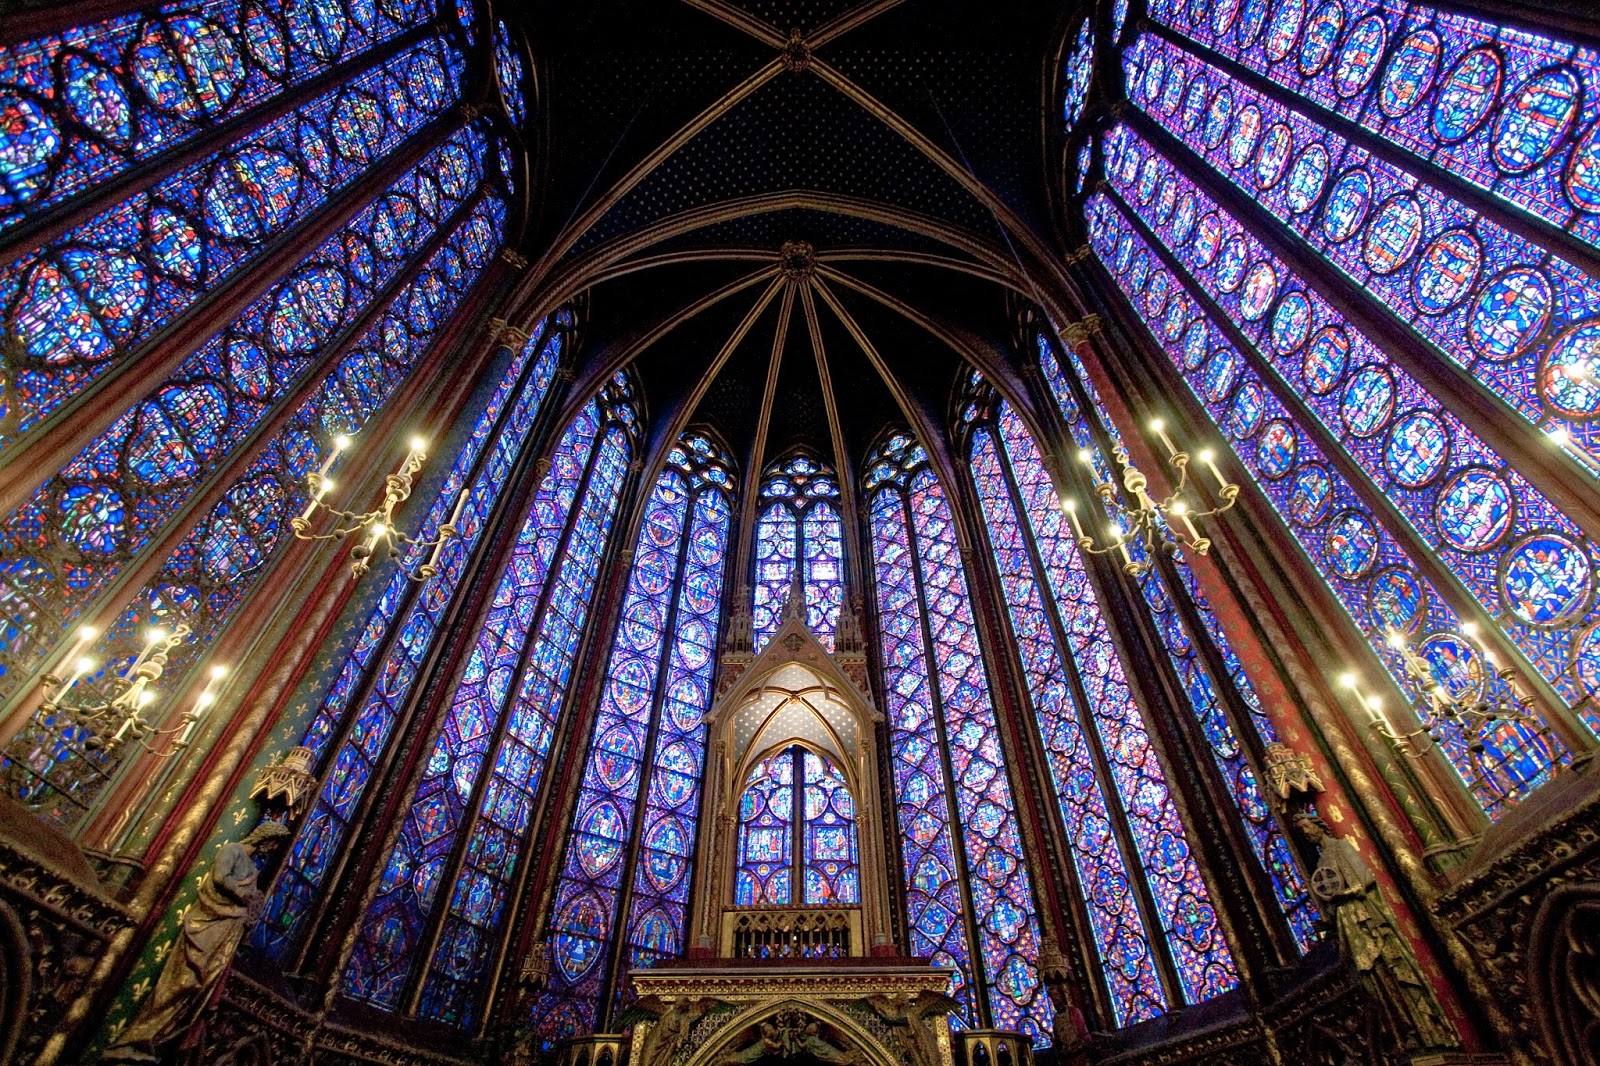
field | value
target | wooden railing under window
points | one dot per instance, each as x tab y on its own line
791	933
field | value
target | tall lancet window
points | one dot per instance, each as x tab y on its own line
799	523
797	827
1086	420
1363	244
240	281
622	898
1150	910
352	727
433	933
968	892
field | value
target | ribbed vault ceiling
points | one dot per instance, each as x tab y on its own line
904	144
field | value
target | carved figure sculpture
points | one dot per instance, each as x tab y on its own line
1369	938
229	901
790	1033
911	1018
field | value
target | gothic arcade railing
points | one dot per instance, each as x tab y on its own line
791	932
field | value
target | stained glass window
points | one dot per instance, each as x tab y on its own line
93	297
82	526
363	731
968	891
84	105
630	850
1181	642
1437	164
462	840
799	523
797	834
212	571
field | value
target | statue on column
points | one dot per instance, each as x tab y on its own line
1370	940
229	901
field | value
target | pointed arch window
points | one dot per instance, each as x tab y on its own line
799	525
797	834
1334	227
968	890
435	927
353	725
622	897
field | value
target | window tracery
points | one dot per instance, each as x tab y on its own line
799	525
621	900
472	809
968	889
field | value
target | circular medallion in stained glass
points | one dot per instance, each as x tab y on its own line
357	125
1582	180
1546	579
1447	269
1411	71
116	286
1511	312
1259	289
1230	267
1397	600
314	151
359	258
318	26
263	37
1534	121
1166	198
1207	240
1454	664
28	141
1311	495
188	65
1150	83
1219	116
582	920
1195	345
1123	257
1306	179
1586	658
1291	323
1245	135
1194	104
1467	95
1352	544
1221	374
1176	318
1149	174
1223	16
1183	218
1368	401
1418	446
1394	234
1474	509
92	519
1362	52
1172	91
175	246
1275	451
1244	415
1570	379
1321	37
1347	205
1326	360
1274	156
1285	29
1252	20
250	193
95	97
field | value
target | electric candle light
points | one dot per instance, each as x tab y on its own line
1182	511
1209	458
1071	507
1158	427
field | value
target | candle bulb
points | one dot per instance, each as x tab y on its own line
324	486
461	505
378	533
1071	507
1121	545
1159	428
414	456
1182	512
1209	458
156	636
80	670
340	443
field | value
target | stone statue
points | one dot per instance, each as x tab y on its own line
1370	939
912	1019
229	901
